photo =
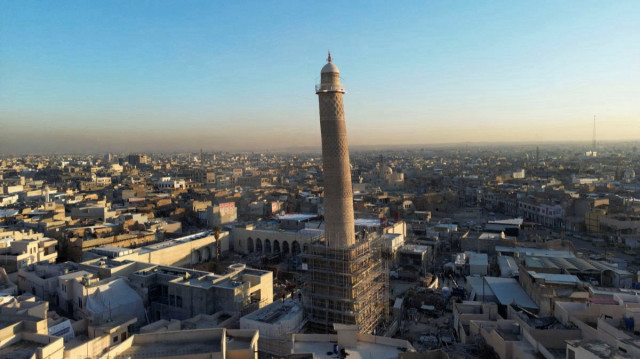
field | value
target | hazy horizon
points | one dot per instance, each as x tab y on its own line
163	76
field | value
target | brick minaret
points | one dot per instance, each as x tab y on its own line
338	195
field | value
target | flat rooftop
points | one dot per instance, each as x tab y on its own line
164	349
73	275
600	349
414	248
513	221
276	312
22	349
363	350
550	278
535	252
296	217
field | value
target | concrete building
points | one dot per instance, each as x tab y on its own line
416	256
220	319
221	214
189	344
594	349
548	288
78	245
183	252
276	322
178	293
138	159
21	253
41	279
100	213
478	264
465	312
502	291
17	341
273	239
609	319
168	183
348	341
546	214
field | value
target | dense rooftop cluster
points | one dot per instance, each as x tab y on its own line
514	251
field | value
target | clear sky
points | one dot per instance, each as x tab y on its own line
93	76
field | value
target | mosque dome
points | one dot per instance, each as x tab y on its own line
330	68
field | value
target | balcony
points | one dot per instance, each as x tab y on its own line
328	88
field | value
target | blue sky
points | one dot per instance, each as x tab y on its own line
180	75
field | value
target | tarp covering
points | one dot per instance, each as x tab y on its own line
115	299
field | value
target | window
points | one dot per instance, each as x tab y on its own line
571	354
178	301
80	303
115	339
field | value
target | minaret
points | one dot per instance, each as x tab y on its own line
345	278
338	194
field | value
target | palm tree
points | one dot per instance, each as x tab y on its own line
216	233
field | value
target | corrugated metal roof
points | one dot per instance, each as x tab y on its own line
582	264
475	285
534	262
556	278
508	290
535	252
478	258
564	264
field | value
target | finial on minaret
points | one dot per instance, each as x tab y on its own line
329	57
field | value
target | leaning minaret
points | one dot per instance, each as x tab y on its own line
338	195
345	281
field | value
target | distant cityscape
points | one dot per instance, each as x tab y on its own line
481	251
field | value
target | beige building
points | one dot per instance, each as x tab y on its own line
100	213
609	319
21	253
215	343
17	341
221	214
178	293
349	340
465	312
24	329
181	252
250	239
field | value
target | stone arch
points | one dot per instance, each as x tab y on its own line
295	248
285	247
267	246
258	245
276	246
250	245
